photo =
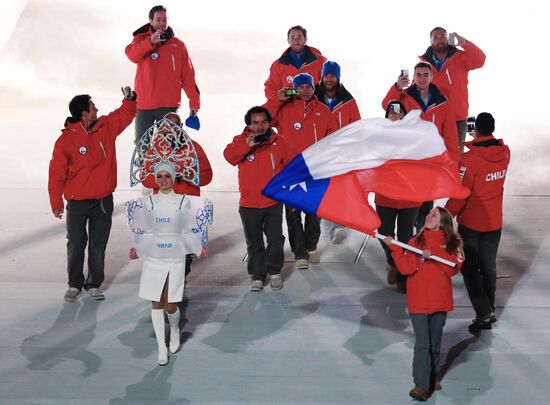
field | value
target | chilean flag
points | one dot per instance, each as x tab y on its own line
402	160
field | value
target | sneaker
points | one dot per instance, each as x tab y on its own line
257	285
71	294
392	275
276	282
480	324
95	294
314	257
492	318
338	236
419	394
302	264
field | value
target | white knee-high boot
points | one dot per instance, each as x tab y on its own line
157	315
174	320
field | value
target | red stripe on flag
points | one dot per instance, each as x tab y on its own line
346	203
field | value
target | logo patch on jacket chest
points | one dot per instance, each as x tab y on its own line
154	55
83	150
250	157
297	126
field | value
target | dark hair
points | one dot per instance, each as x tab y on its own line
437	29
155	10
401	106
485	124
257	110
297	27
453	242
78	105
423	65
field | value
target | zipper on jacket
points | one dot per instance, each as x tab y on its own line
340	118
103	149
448	75
272	164
173	61
315	131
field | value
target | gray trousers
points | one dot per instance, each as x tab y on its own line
428	329
146	118
96	216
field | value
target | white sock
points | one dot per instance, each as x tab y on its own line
157	316
174	320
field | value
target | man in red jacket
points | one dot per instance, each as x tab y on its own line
260	154
298	58
344	109
424	95
451	67
163	69
303	120
483	169
83	169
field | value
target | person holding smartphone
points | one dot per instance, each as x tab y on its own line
260	154
303	120
451	66
164	68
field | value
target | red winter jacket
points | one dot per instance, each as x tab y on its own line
429	286
302	124
162	71
483	170
257	166
83	164
183	187
282	70
439	112
345	109
453	76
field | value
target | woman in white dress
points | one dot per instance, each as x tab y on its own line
165	228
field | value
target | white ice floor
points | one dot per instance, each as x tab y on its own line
335	334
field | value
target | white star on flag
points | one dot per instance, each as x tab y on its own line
302	185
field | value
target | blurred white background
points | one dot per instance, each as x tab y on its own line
52	50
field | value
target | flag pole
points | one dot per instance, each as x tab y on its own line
360	252
416	250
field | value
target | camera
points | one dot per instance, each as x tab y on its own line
263	137
290	92
471	125
166	35
405	73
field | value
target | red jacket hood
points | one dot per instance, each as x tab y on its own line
489	148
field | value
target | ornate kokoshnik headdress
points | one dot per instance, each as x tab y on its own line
165	142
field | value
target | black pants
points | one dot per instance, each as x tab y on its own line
479	269
423	212
146	118
97	216
405	225
302	238
188	261
264	260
